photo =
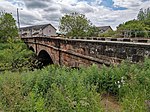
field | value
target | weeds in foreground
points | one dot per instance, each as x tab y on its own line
54	89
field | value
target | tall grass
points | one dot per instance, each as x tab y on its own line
15	56
55	88
51	89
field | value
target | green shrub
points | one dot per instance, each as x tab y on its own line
55	88
51	89
15	56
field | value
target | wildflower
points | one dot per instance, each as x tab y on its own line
119	86
122	80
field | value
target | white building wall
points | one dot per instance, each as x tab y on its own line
49	31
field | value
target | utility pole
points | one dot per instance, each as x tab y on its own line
18	21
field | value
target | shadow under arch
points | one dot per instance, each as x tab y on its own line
31	48
44	59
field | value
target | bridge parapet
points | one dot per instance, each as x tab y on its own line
140	40
76	52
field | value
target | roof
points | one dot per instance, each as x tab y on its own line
104	28
35	33
37	26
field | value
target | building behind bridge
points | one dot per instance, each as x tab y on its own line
38	30
104	29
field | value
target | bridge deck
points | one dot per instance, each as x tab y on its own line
78	52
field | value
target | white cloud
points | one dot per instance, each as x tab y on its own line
67	1
50	11
127	3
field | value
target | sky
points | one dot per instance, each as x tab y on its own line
99	12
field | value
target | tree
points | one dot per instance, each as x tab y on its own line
136	28
144	14
110	33
92	31
8	27
144	17
132	28
141	15
15	56
75	24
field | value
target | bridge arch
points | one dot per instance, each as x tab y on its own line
44	58
31	48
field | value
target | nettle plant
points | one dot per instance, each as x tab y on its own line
109	80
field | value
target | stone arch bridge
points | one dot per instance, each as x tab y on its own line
84	52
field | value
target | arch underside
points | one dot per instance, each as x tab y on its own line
31	48
44	58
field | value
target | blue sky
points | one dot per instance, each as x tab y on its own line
99	12
106	3
110	4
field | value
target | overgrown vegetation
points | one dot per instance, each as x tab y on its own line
54	88
61	89
109	33
8	28
136	28
15	56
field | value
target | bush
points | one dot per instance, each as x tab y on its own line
63	89
15	56
51	89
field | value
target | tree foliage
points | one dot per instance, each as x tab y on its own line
92	31
136	28
8	27
132	28
14	56
109	33
144	14
76	24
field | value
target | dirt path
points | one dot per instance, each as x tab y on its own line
110	103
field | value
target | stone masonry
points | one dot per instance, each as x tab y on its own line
83	52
